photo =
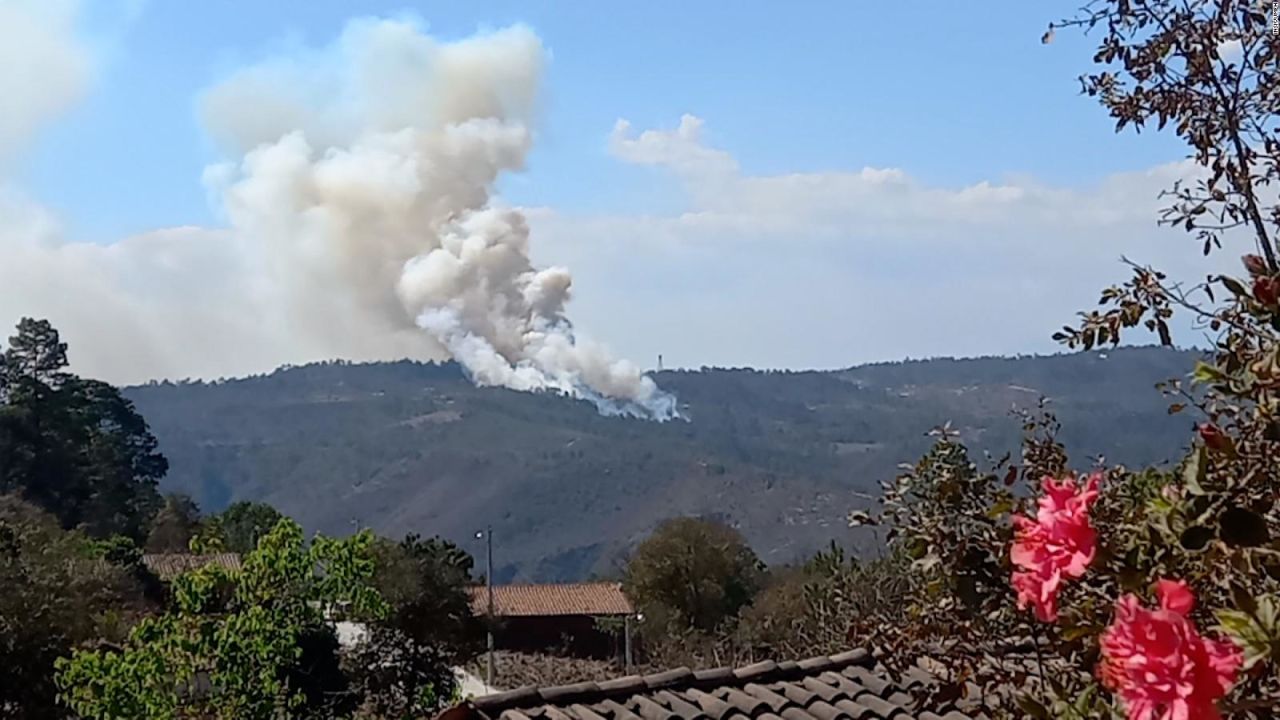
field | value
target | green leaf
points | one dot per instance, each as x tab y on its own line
917	549
1000	508
1234	622
1206	373
1247	633
1078	631
1236	287
1266	613
1242	599
1032	707
1132	579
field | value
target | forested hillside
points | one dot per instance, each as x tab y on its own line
410	447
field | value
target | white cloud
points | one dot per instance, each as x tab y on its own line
829	269
681	149
44	68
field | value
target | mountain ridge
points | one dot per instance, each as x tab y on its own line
414	447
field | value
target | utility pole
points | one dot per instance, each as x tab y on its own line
488	577
626	634
629	656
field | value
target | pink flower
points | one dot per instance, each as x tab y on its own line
1059	543
1158	663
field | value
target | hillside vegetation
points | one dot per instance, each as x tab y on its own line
411	447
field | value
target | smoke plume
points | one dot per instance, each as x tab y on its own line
363	178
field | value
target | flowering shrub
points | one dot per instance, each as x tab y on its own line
1039	612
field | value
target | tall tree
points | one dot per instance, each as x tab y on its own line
74	446
36	354
693	574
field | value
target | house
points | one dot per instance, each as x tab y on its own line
581	619
847	686
168	566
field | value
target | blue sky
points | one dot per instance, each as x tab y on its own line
950	92
805	185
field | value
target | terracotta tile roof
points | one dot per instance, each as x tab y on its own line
541	600
848	686
167	566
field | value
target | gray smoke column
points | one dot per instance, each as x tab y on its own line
364	179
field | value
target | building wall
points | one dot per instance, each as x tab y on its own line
575	635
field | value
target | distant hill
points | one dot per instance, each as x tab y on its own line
412	447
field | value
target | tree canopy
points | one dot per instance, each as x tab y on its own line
73	446
54	594
235	644
692	574
405	667
242	524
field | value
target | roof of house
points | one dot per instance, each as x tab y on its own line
847	686
542	600
167	566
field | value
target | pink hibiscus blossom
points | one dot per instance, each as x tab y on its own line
1158	663
1058	544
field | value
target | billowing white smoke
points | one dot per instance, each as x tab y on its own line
367	173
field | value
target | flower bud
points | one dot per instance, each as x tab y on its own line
1255	265
1214	438
1266	290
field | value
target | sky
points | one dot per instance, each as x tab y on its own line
808	185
